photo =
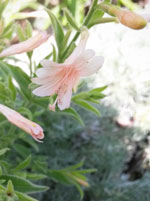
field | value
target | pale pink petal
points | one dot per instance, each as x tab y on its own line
25	46
92	67
79	49
45	90
65	100
83	58
51	80
50	68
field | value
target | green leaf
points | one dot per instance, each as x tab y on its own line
98	13
26	112
22	150
24	164
54	53
34	176
3	151
79	189
23	185
24	197
66	38
73	113
20	33
70	50
30	143
28	29
87	106
10	188
3	6
58	30
1	171
98	90
12	88
5	93
81	95
70	19
20	76
74	167
59	176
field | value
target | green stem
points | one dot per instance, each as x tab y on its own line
86	21
30	66
103	20
89	15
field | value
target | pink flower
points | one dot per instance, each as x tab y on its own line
25	124
60	79
26	46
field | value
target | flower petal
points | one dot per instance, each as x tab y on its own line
45	90
84	58
64	103
80	48
92	67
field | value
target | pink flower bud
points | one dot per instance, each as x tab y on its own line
26	46
25	124
130	19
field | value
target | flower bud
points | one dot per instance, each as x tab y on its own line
130	19
125	17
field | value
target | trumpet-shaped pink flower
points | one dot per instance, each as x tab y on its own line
26	46
25	124
60	79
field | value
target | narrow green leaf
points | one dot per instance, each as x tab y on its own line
24	164
23	185
54	53
28	29
12	88
59	176
58	30
1	171
70	50
70	19
66	38
34	176
98	90
20	33
87	106
20	76
3	151
30	143
74	167
22	150
81	95
87	171
73	113
24	197
98	13
26	112
79	189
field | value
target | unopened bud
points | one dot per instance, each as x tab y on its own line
130	19
82	182
125	17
